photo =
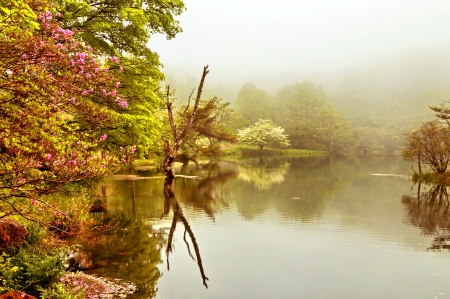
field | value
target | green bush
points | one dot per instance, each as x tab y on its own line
29	271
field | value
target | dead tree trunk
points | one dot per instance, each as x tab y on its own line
171	150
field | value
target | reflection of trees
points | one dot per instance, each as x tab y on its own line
172	203
207	195
130	252
430	212
309	185
262	176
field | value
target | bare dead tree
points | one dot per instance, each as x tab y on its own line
178	134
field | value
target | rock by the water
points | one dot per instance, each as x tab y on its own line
12	233
78	260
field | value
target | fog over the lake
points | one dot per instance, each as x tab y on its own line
273	43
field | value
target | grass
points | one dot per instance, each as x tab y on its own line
142	164
241	150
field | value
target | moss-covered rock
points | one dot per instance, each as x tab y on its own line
12	233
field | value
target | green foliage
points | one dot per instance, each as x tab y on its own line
15	14
59	291
29	271
298	108
51	86
122	28
251	105
245	151
263	132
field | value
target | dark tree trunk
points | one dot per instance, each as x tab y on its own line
171	151
261	147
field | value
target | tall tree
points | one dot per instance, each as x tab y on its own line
121	29
251	105
298	107
50	85
179	133
430	145
333	130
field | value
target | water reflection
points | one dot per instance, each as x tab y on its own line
262	176
114	257
207	194
430	212
171	203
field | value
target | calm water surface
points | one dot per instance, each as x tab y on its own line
292	228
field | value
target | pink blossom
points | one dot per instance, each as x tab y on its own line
72	163
24	56
58	46
53	4
123	104
117	84
58	14
72	100
115	59
103	137
33	201
121	69
89	48
48	156
96	70
113	93
88	76
117	99
84	92
121	148
133	149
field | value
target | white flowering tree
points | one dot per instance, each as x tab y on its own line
263	132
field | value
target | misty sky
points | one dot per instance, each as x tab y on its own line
249	37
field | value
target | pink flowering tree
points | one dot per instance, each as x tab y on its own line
54	94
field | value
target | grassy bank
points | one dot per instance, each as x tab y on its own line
241	150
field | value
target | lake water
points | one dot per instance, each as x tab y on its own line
280	228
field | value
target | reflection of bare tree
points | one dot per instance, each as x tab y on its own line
263	177
430	211
207	194
171	202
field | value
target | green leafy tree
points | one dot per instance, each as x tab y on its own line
17	14
251	105
263	132
121	29
298	108
333	130
51	85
